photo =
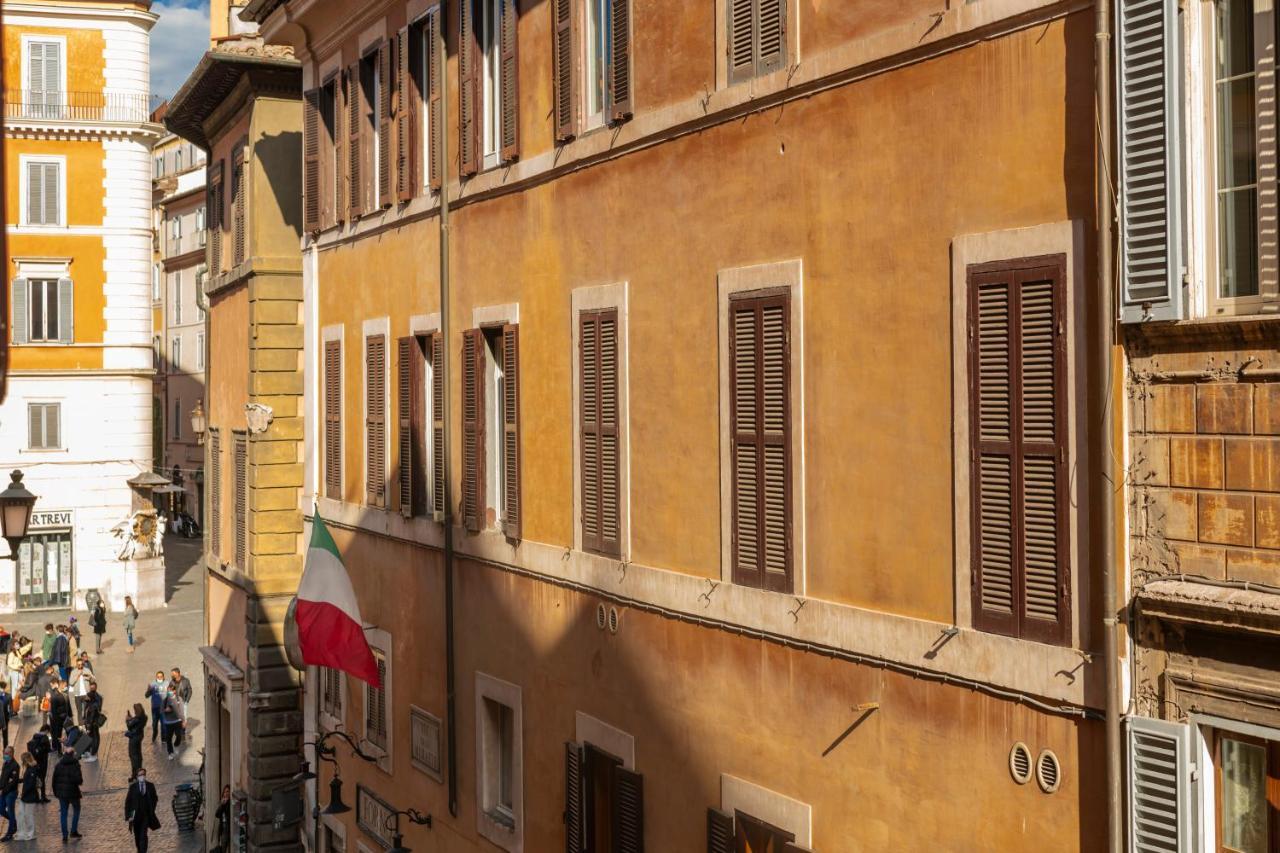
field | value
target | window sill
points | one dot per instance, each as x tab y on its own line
1226	329
501	819
46	450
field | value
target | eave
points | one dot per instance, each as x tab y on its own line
214	78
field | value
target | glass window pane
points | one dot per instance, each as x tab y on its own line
51	310
1235	37
52	431
37	310
507	732
1237	134
1238	243
1244	796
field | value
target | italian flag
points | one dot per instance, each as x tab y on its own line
330	632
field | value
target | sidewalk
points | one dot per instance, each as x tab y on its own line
165	638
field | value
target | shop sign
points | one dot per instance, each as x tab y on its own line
52	518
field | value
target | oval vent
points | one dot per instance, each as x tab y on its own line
1020	763
1048	772
613	620
600	616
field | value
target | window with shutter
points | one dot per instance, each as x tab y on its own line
408	128
473	429
215	216
437	426
21	312
327	180
215	493
510	418
241	499
375	421
1017	380
756	31
604	803
574	812
45	426
410	409
311	160
719	832
238	191
562	76
509	82
333	420
600	438
332	689
1159	789
469	106
48	311
384	97
45	96
620	104
760	418
44	192
355	115
435	102
375	726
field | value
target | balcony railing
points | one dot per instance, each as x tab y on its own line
74	106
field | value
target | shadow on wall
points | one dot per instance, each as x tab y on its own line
282	165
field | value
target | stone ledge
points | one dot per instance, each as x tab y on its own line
1230	607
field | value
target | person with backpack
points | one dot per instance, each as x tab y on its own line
67	780
28	798
92	721
155	692
130	620
59	710
99	622
171	722
9	778
40	746
135	729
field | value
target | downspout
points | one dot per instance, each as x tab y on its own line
451	717
1105	318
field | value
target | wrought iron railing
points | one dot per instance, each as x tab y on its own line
75	106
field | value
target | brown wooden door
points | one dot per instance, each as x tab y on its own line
1247	786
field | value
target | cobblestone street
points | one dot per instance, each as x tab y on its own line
165	639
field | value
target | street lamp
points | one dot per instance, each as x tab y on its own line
197	422
393	824
15	513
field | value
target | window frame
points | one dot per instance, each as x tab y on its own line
381	642
176	426
489	42
32	38
45	406
200	351
44	301
372	329
332	335
791	59
175	354
24	162
506	835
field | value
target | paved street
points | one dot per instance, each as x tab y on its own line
166	638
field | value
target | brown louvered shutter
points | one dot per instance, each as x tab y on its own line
409	404
562	68
311	160
1019	477
355	119
242	500
340	142
386	97
215	219
333	420
473	364
215	493
628	811
325	128
620	60
771	36
435	115
759	361
375	421
509	80
600	443
719	832
740	32
437	426
574	817
468	89
511	431
238	193
408	52
757	37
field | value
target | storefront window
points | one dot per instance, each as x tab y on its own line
44	570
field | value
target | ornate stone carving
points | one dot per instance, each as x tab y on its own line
258	417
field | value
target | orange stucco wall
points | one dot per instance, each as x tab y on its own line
225	605
227	392
83	61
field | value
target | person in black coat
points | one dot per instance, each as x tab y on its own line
92	721
40	746
135	729
9	778
59	711
67	780
62	652
6	711
99	622
141	807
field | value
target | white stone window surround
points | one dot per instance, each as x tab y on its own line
221	668
735	281
337	827
334	332
27	39
380	640
1057	238
490	317
769	806
24	212
505	693
589	730
377	326
594	298
425	325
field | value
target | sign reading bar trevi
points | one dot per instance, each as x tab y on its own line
52	518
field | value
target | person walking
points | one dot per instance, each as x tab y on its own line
222	836
92	722
40	746
67	780
73	631
13	661
78	686
155	692
59	711
99	622
130	621
171	725
6	712
62	652
135	729
28	799
9	778
140	809
46	644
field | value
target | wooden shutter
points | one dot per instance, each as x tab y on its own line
341	141
468	89
574	813
719	832
215	217
242	500
438	449
333	420
757	37
311	160
238	200
760	413
326	128
620	105
627	811
435	115
1018	423
509	80
385	95
21	315
409	406
355	119
473	425
740	33
1149	96
408	144
771	36
1159	789
66	311
601	436
215	493
562	78
511	431
375	421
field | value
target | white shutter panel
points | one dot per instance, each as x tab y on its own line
20	318
1150	161
35	66
66	311
35	194
50	186
1159	796
52	71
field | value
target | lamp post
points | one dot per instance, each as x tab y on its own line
393	824
197	422
324	752
16	504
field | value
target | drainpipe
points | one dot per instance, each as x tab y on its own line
451	717
1105	338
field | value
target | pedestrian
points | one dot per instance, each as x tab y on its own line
78	686
73	629
155	692
130	620
180	685
28	798
40	746
88	664
6	712
46	648
13	661
140	809
171	724
135	729
67	780
99	622
94	721
62	652
222	836
9	778
59	711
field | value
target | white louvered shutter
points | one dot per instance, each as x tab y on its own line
1159	785
35	193
1150	163
21	319
66	311
51	199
